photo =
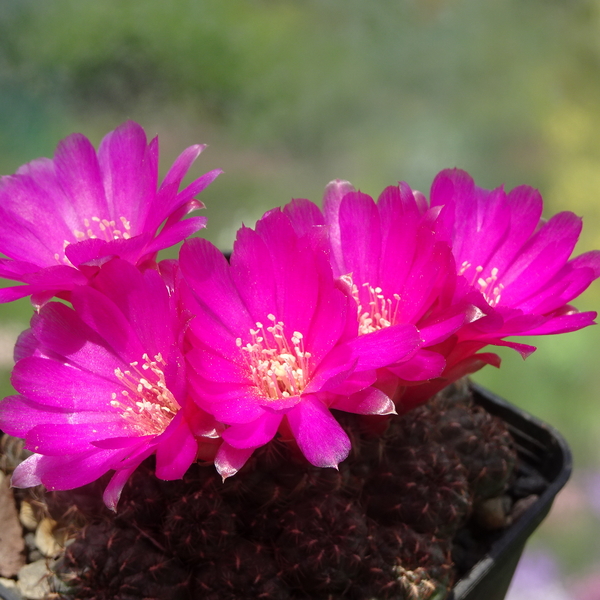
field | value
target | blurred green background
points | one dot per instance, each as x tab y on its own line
290	94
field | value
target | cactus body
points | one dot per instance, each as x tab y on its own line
379	528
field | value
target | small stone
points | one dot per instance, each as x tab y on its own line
9	589
34	555
27	516
10	584
34	580
12	556
532	483
522	505
493	513
45	540
30	542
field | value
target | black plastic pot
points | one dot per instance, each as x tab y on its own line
542	450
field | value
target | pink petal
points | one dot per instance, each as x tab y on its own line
422	366
182	164
32	204
60	439
254	434
545	253
565	323
26	474
113	490
334	192
370	401
525	213
58	328
293	272
419	394
360	236
176	450
176	233
229	403
445	326
14	269
127	174
56	385
10	294
230	460
304	215
318	434
207	272
334	319
400	243
385	346
524	350
197	186
102	315
18	415
78	170
71	471
142	299
87	251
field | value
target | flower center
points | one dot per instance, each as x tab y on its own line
278	369
146	402
104	229
97	228
380	311
487	286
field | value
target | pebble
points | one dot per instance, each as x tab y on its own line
27	516
34	580
45	540
493	513
522	505
531	483
9	589
29	539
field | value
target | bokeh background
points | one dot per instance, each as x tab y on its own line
290	94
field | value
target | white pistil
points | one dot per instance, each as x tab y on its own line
278	369
147	405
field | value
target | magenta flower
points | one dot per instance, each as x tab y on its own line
102	386
61	218
514	263
513	266
275	343
396	266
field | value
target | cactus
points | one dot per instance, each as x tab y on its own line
381	527
481	441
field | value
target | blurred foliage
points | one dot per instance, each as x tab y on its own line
292	93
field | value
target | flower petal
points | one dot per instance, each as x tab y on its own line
176	450
370	401
254	434
57	385
230	460
319	436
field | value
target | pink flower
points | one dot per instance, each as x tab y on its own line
275	343
61	218
513	265
102	386
397	267
516	263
